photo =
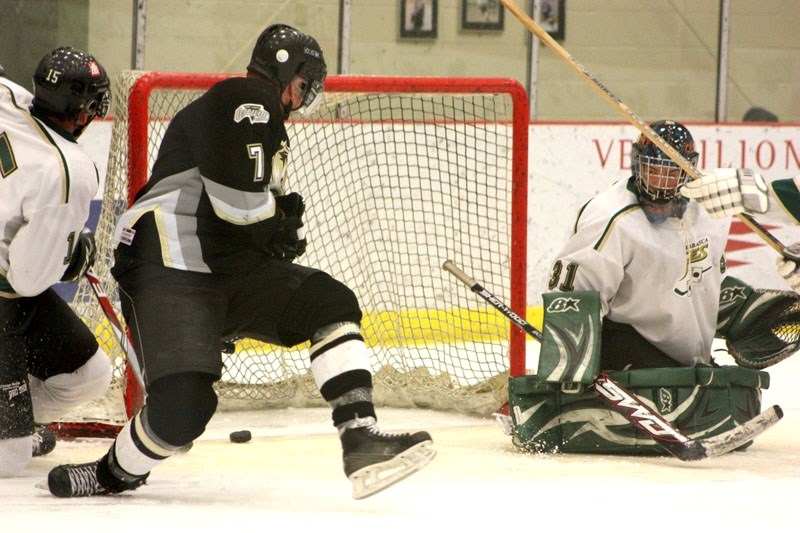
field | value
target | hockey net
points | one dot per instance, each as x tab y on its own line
399	174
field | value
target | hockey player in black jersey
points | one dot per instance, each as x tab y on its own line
206	253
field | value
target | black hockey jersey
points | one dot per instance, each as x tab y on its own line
209	205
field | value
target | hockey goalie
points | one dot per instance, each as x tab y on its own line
640	291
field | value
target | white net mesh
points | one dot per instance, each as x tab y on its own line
395	183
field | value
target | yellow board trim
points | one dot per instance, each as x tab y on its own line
415	327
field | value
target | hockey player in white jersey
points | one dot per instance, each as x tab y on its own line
50	361
640	290
656	261
206	252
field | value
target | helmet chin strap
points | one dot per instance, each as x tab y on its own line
287	107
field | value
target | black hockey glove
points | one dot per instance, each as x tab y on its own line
82	256
289	242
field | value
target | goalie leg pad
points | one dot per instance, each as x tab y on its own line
701	402
571	337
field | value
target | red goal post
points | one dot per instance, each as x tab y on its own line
399	174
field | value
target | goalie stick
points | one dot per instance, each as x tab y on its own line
626	112
623	401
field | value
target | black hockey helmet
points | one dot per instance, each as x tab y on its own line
657	177
68	82
282	52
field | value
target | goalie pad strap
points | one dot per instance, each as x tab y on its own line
571	337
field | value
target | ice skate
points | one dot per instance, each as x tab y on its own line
88	479
375	460
44	441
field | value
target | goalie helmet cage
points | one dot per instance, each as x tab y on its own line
399	174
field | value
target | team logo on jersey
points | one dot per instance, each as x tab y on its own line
255	113
696	252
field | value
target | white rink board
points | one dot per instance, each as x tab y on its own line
568	163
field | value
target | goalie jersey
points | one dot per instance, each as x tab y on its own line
47	183
663	279
208	205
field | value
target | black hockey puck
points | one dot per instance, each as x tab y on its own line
241	436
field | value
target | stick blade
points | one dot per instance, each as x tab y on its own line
697	449
741	435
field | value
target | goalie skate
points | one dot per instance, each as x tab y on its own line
374	460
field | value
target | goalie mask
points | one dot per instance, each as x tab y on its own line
658	179
68	82
283	52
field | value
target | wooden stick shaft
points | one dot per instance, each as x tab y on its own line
626	112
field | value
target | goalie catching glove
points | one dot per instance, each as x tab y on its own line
82	257
289	240
761	327
727	191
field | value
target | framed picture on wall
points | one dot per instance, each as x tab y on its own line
552	17
481	15
418	19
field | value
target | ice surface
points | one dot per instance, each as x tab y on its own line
289	477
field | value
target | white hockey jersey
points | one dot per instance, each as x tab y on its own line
47	183
662	279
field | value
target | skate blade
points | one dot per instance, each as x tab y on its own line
375	478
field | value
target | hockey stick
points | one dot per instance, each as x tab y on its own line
123	337
763	232
626	111
132	377
133	397
623	401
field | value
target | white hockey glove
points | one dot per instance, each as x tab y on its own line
789	265
728	191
